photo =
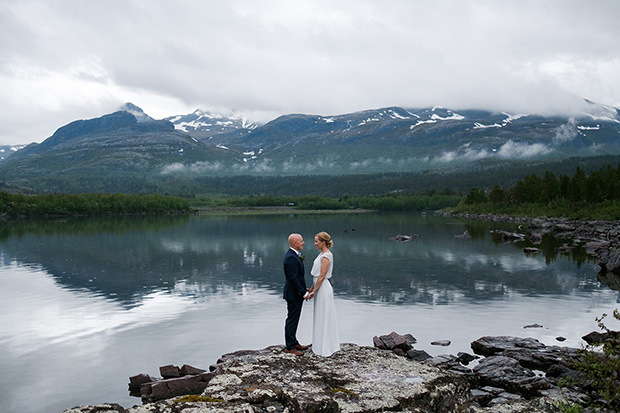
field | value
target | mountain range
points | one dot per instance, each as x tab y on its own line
130	151
7	150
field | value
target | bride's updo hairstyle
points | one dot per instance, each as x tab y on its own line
324	236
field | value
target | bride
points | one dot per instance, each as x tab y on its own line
325	339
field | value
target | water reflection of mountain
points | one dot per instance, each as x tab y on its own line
126	259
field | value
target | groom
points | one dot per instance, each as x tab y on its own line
294	292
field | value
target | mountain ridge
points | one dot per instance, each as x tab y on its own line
429	137
128	145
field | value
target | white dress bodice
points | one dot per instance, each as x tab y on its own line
316	265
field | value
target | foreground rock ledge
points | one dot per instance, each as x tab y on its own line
355	379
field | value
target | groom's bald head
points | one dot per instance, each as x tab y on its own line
296	241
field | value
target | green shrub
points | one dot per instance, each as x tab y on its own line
601	366
569	408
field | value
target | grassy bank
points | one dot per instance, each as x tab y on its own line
273	211
389	202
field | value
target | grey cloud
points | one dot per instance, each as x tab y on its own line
194	168
464	153
319	57
566	132
513	149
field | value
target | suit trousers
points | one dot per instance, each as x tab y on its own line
292	321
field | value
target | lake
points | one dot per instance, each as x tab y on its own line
88	302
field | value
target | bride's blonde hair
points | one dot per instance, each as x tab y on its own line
324	236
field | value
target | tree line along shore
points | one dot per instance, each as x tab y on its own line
581	196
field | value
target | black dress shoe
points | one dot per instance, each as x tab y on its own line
293	351
300	347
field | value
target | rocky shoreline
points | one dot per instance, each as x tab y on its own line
510	374
601	239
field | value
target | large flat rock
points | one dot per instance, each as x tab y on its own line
355	379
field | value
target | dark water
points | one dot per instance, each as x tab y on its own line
86	303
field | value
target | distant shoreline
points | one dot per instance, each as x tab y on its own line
273	210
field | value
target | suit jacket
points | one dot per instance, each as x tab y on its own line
295	283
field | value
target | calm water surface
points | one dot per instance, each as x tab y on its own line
86	303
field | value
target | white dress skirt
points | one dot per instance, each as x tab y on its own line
325	340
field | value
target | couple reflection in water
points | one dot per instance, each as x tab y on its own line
325	339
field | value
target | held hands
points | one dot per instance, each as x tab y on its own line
310	294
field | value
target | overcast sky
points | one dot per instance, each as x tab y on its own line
62	60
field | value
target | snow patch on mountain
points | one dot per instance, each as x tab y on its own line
362	123
206	121
509	119
478	125
389	113
446	115
597	127
7	150
453	116
249	156
421	122
193	125
395	115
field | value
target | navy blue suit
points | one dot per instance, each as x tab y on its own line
294	291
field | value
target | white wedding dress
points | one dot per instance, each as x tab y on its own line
325	340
